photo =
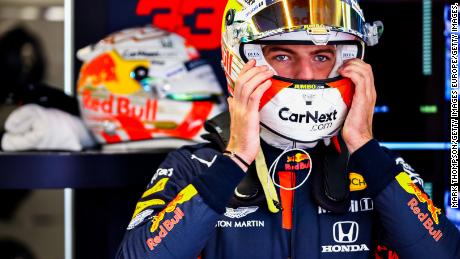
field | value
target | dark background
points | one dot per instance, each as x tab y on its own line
400	83
396	60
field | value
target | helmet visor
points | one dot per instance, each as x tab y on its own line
279	14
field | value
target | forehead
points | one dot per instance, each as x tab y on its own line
299	48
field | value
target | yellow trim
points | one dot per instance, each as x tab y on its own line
267	184
185	195
159	186
140	206
405	182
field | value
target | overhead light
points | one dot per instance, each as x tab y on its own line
54	13
429	109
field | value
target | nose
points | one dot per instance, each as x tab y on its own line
305	71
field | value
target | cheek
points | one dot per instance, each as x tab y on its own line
323	71
283	69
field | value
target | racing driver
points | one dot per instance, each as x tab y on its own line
292	170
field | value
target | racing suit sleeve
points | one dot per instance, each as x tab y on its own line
412	225
177	213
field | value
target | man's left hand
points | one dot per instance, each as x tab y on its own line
357	129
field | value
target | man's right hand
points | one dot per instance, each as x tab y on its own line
249	88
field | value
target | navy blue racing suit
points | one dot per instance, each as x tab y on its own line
186	212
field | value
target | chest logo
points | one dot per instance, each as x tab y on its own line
345	234
357	182
240	212
345	231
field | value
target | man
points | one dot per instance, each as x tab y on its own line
296	172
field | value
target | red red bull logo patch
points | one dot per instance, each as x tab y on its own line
120	105
166	227
296	162
425	220
428	222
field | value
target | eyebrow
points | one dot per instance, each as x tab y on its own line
277	48
315	52
323	51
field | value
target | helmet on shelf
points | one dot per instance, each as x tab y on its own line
143	84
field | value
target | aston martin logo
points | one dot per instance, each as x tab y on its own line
240	212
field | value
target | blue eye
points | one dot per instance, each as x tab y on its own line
321	58
281	58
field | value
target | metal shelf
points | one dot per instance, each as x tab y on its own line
42	170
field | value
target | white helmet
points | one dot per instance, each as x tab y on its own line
293	110
146	83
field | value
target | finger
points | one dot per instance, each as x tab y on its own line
356	61
362	92
363	97
251	63
359	66
251	73
254	99
353	70
250	86
355	76
355	67
241	81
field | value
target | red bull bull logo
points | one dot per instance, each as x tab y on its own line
423	197
185	195
111	72
101	69
299	157
406	183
